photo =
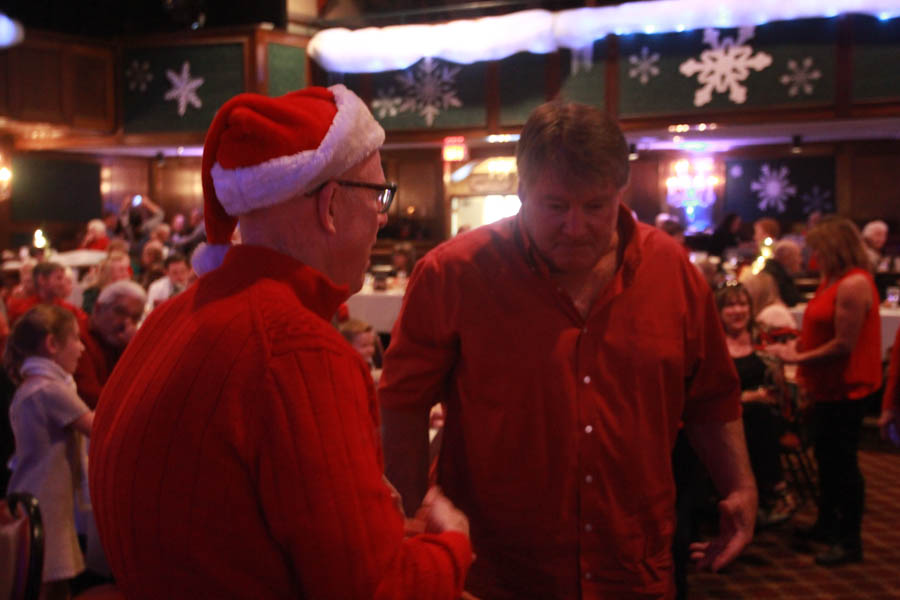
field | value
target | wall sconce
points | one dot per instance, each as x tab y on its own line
796	144
6	175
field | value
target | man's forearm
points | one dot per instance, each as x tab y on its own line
405	438
723	449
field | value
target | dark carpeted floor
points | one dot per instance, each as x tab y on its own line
773	567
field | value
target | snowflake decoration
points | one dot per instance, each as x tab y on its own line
724	66
644	66
184	88
800	76
387	104
773	188
138	75
582	59
428	89
817	199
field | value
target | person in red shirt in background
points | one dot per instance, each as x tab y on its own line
50	287
890	405
567	343
235	452
95	238
839	354
112	324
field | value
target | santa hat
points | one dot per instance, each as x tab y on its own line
262	151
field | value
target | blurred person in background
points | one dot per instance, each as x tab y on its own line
49	422
176	279
759	415
786	262
839	358
96	237
770	313
889	421
50	287
725	235
112	324
151	266
116	267
875	234
193	234
403	259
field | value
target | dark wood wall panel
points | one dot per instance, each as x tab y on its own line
37	83
175	185
874	193
91	90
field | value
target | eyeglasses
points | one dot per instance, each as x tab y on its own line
386	192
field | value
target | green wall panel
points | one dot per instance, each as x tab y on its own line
876	59
584	75
54	190
206	76
287	68
777	65
522	85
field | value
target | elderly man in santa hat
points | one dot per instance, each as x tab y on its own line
235	452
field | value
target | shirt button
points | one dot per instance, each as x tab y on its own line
587	378
588	527
588	479
588	576
588	429
584	330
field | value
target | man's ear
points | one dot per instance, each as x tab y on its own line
325	205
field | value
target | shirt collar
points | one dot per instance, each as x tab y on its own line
314	290
44	367
628	233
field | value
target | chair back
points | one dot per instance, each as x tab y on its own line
21	548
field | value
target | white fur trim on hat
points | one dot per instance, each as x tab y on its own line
208	257
354	134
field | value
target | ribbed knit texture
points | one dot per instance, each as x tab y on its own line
235	452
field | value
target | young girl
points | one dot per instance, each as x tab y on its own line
48	419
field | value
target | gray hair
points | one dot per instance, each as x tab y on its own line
784	248
119	289
874	228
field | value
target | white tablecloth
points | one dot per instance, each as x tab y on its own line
378	309
890	322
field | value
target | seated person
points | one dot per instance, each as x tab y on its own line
403	259
770	311
364	340
761	422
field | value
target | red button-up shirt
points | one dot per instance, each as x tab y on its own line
559	429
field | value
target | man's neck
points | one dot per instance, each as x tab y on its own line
585	287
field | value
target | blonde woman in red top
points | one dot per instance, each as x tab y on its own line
840	364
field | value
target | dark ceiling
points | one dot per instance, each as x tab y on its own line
109	18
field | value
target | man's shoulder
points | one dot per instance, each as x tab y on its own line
484	244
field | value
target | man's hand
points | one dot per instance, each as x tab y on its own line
889	423
440	515
737	516
787	352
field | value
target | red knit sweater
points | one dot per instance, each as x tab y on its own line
235	452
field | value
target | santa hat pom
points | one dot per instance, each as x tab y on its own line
208	257
262	151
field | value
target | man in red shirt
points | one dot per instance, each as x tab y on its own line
567	345
111	326
235	451
50	287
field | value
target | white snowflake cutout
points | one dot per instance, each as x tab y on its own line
800	76
582	59
184	88
429	88
138	75
386	103
773	188
644	66
724	66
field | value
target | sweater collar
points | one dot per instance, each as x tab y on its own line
312	288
